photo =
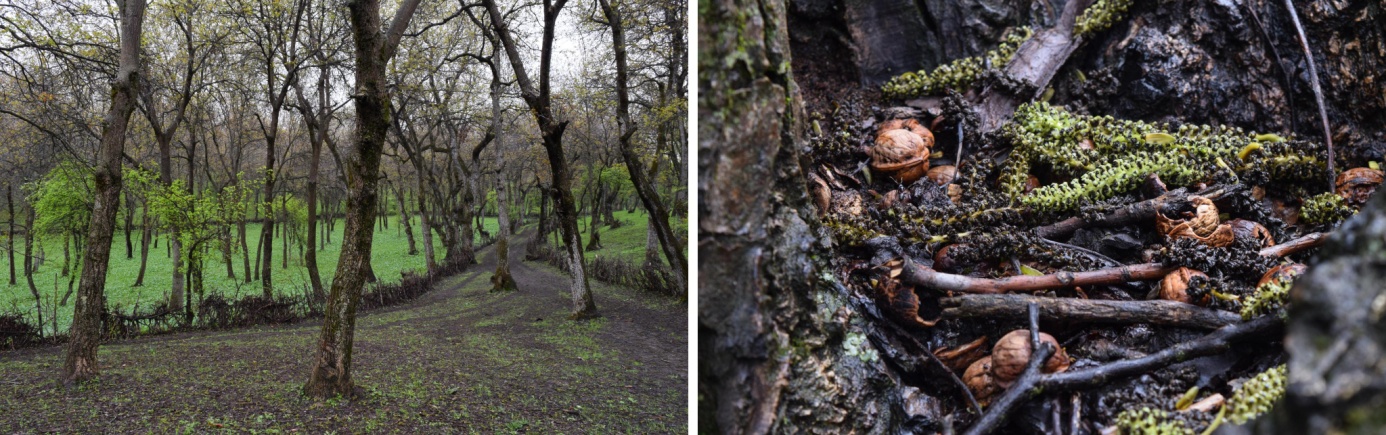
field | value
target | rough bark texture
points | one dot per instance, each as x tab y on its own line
501	279
771	331
331	374
81	363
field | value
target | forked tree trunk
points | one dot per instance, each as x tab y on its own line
81	363
500	279
426	227
331	373
537	98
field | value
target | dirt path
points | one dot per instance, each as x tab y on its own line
458	359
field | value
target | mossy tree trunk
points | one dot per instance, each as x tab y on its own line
331	373
81	363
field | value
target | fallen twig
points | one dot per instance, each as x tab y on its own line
917	275
1157	312
1039	352
1137	212
1032	383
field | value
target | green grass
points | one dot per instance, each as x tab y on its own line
389	257
627	242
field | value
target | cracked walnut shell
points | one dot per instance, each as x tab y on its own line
1012	352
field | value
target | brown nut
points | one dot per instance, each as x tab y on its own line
900	154
908	124
1243	228
1012	352
1175	286
978	379
1202	225
1282	272
1357	184
943	174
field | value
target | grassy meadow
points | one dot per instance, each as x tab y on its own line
390	257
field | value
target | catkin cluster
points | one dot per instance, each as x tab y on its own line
958	74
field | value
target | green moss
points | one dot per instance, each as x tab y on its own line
958	74
1268	298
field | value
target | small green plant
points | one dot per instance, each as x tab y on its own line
1325	209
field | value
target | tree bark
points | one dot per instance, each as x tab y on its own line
331	373
81	363
404	219
29	265
9	202
146	233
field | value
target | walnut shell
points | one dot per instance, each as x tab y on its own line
943	174
908	124
1012	352
1175	286
1203	225
978	379
1282	272
900	154
1244	228
1357	184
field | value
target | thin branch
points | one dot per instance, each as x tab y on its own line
1158	312
1318	91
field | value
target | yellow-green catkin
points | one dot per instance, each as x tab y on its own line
958	74
1100	16
1256	396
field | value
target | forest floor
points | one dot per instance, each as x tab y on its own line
460	359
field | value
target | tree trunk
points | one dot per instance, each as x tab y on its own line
644	187
67	252
425	227
500	279
245	251
310	257
146	233
81	363
552	132
404	221
29	264
331	373
9	202
129	216
266	254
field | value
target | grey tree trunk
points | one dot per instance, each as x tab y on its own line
81	363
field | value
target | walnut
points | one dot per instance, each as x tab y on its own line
943	174
1175	286
1250	229
1357	184
901	155
1282	272
978	379
908	124
1012	352
1202	225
